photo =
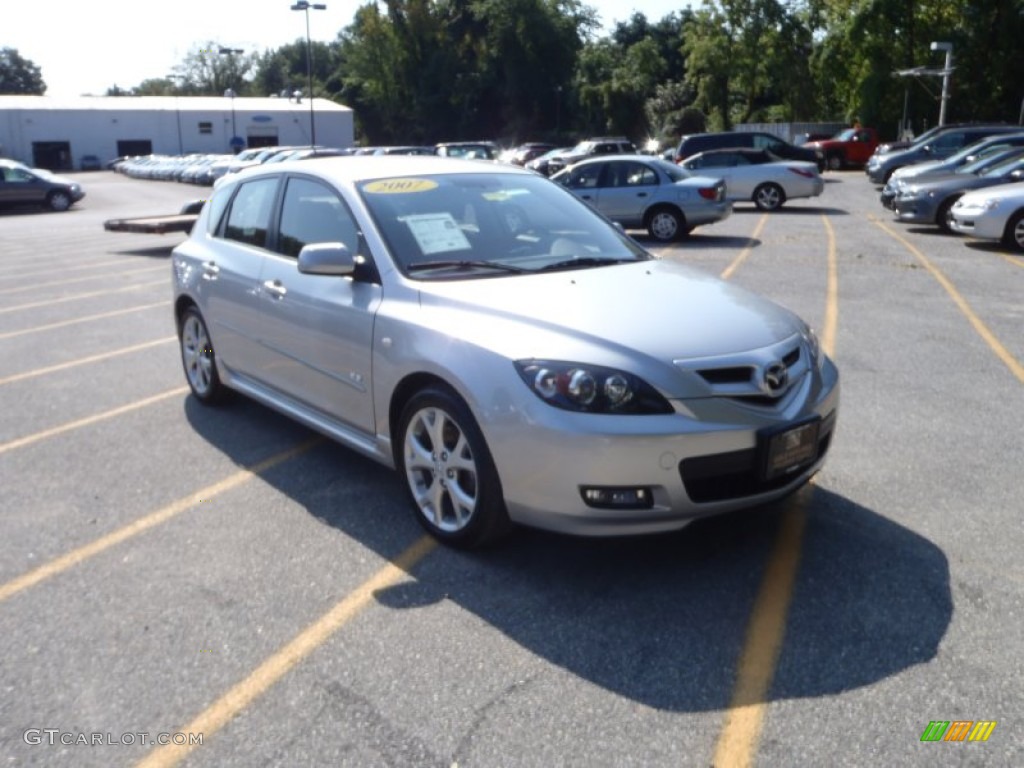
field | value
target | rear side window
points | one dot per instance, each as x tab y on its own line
313	213
249	216
767	142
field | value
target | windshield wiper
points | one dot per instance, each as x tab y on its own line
582	262
422	266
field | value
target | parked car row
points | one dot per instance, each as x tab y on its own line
966	178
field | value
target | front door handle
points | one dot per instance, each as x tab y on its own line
275	288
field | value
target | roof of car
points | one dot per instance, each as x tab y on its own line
357	168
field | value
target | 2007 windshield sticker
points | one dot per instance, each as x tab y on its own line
399	186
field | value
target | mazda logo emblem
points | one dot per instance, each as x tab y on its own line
776	377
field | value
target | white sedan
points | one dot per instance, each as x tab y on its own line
992	214
758	176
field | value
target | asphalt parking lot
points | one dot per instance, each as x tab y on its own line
225	576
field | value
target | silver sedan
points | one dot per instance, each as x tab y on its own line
647	192
758	176
509	351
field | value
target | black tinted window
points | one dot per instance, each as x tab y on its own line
249	217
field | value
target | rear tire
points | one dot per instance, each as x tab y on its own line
198	358
666	224
769	196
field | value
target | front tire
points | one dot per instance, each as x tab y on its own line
769	197
58	201
449	472
835	161
198	358
1014	235
666	225
944	216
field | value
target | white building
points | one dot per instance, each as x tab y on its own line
55	133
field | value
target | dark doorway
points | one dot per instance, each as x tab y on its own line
263	141
52	155
128	147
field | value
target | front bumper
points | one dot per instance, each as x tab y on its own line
918	210
690	467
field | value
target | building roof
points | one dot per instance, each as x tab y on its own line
160	103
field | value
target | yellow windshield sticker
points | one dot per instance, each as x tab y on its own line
399	186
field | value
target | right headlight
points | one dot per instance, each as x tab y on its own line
590	388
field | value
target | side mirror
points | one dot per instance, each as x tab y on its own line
326	259
927	149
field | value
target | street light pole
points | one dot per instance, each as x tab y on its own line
177	110
947	70
304	5
230	93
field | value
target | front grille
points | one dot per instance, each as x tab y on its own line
734	475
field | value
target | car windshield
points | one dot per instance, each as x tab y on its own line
474	225
846	135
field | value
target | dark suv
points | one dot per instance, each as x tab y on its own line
701	142
937	146
602	145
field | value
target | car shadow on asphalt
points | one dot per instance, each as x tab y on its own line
152	252
794	208
660	619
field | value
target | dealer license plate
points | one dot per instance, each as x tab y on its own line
788	450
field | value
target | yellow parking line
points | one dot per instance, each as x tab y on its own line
728	271
1017	261
77	320
980	328
33	286
744	720
737	743
84	360
21	442
89	295
83	553
267	674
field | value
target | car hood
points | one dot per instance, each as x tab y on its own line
655	309
951	182
918	169
1006	191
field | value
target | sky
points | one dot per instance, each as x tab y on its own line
89	46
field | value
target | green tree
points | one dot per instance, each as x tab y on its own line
18	75
747	60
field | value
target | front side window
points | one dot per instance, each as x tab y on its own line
249	216
313	213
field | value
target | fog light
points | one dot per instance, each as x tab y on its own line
610	497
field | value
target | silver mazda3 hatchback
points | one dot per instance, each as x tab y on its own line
509	351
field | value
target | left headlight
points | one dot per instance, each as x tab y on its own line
814	347
590	388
